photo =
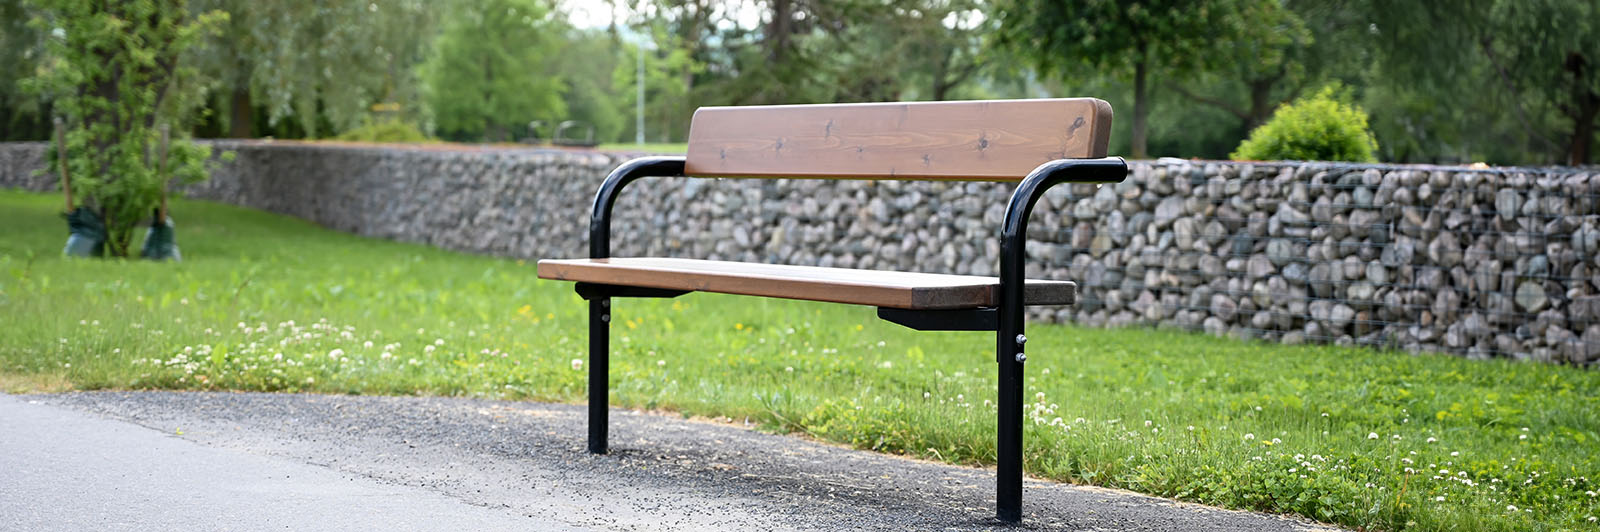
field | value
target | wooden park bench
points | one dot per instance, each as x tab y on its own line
1038	143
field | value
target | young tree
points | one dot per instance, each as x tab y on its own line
1145	39
493	69
116	72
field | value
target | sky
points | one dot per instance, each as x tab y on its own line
600	13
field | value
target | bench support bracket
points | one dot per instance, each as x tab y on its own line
977	319
597	291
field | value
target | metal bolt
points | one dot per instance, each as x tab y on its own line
605	318
1021	339
1022	357
605	303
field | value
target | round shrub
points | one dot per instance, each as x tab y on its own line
1319	127
385	131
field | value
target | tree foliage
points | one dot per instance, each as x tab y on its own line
116	72
492	69
315	65
22	115
1141	40
1533	59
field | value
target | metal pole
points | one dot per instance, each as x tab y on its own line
599	373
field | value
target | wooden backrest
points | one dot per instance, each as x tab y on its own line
989	140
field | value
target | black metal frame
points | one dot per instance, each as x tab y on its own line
1007	319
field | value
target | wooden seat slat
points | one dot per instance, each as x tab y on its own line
903	290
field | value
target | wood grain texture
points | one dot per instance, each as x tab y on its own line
916	291
990	140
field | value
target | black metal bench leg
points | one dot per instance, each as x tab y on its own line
1013	236
599	372
1008	450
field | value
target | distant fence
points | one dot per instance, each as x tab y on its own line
1482	262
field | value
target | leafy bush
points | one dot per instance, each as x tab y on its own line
385	131
1320	127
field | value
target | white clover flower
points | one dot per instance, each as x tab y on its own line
427	349
1432	440
1372	435
1249	436
1455	453
438	341
310	380
577	363
336	353
367	344
1146	422
386	355
661	363
926	395
1511	507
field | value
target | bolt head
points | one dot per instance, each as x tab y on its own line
1022	357
605	318
1022	339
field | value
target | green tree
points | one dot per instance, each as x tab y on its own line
1145	39
493	70
667	77
588	64
1535	59
316	65
23	116
1265	64
116	72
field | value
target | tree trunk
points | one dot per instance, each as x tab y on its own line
1585	107
1140	110
1583	133
243	118
1261	106
778	30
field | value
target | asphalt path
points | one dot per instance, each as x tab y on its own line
225	461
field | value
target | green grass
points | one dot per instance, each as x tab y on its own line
648	147
1349	436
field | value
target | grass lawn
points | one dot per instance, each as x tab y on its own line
648	147
1359	438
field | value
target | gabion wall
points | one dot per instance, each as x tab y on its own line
1495	262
